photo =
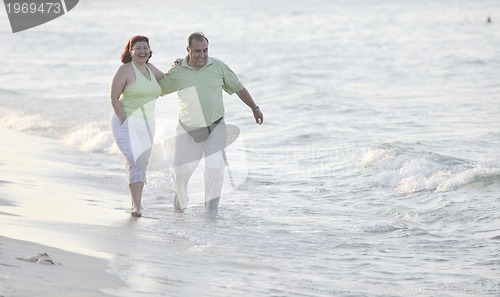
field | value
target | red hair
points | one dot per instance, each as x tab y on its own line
125	56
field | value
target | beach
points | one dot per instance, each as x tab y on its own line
72	275
28	199
376	172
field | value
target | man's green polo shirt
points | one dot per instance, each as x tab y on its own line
200	91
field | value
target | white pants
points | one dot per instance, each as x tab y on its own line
188	154
134	139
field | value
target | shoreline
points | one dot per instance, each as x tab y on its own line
38	211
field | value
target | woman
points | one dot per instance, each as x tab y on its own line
134	90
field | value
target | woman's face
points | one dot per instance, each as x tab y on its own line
140	51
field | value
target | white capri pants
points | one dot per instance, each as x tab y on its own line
188	154
134	138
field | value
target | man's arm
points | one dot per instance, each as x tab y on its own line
248	100
167	84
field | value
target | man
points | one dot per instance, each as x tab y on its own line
200	81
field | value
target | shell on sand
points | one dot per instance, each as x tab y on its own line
40	258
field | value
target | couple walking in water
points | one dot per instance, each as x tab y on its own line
199	81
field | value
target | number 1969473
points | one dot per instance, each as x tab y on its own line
33	8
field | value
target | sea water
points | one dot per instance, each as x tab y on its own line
376	171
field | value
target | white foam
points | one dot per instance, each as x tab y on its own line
92	137
465	177
415	172
21	121
373	156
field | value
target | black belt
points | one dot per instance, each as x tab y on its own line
200	134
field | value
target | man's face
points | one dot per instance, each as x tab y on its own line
198	53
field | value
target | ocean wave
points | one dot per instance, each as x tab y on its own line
23	122
91	137
411	172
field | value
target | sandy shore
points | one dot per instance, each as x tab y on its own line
72	275
32	202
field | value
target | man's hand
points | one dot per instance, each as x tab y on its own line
247	98
258	115
177	62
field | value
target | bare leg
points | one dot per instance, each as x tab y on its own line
136	193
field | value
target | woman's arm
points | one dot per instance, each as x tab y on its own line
158	73
117	86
